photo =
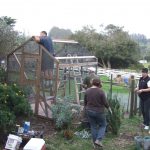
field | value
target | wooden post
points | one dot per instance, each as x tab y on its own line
57	79
111	82
132	98
135	105
37	84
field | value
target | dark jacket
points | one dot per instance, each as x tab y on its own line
47	43
143	85
95	100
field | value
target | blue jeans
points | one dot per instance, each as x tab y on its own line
98	124
145	109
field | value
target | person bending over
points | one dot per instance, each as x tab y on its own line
47	64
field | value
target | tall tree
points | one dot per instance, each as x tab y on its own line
8	20
111	46
9	38
58	33
119	47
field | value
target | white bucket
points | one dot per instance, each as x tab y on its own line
13	142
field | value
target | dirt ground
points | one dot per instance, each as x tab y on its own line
42	127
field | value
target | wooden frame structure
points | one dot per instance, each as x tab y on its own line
24	68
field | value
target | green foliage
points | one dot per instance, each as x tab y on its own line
2	75
9	21
114	119
124	141
13	103
60	33
63	114
7	120
112	46
136	66
9	38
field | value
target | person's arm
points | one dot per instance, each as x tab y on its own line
146	90
106	104
85	81
104	100
137	88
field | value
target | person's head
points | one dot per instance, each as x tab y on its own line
144	72
43	33
91	70
97	82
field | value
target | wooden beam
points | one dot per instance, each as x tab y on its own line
78	65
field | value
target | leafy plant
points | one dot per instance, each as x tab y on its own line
63	114
13	103
2	75
7	120
114	119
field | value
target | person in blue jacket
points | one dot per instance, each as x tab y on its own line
47	64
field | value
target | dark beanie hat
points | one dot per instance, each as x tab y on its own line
145	70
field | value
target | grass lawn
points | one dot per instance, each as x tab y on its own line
124	141
120	88
70	88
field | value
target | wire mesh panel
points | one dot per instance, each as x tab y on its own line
24	68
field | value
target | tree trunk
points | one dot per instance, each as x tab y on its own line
103	63
108	64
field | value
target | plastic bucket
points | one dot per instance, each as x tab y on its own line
139	142
13	142
146	143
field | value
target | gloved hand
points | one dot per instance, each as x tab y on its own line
109	109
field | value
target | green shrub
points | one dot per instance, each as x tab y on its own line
13	104
63	115
7	120
2	75
114	119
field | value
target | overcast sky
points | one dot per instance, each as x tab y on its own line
36	15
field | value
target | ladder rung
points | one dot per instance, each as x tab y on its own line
81	92
81	100
79	83
45	90
63	80
76	75
50	97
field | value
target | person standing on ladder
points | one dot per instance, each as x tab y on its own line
47	63
143	90
87	82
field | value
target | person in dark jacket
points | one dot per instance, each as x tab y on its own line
95	103
143	90
47	64
87	82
